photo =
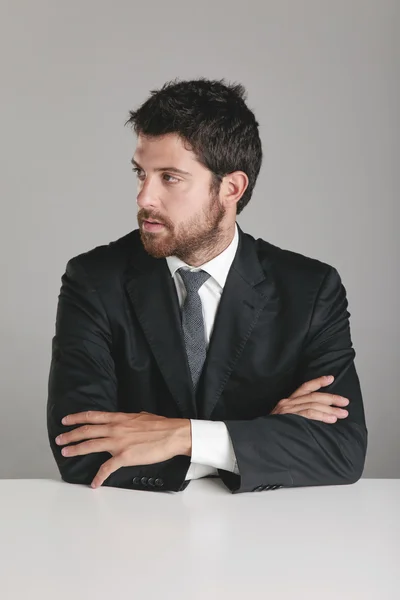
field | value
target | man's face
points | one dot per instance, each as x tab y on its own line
175	190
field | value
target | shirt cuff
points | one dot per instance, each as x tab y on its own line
212	445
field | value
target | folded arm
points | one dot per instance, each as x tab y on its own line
291	450
82	377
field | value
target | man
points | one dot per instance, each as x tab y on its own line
187	348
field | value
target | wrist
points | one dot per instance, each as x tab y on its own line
183	437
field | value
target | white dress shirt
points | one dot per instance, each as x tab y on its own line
211	443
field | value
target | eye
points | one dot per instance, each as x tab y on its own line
167	178
171	178
138	172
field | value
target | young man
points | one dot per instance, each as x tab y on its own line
187	348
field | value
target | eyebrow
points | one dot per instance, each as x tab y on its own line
172	169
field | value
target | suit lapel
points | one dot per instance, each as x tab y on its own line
246	294
152	292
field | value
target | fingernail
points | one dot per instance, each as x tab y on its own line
329	377
58	439
64	421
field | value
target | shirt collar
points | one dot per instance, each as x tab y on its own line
218	267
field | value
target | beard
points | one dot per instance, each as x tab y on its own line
199	234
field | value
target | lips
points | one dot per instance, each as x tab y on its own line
153	226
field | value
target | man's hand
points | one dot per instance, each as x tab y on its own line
307	402
132	439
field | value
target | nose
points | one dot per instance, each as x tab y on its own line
147	195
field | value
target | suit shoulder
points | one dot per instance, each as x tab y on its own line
288	263
107	260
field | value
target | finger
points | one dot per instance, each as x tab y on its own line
320	397
340	413
97	445
94	416
312	385
105	471
85	432
317	415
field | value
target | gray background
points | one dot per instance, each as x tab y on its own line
323	79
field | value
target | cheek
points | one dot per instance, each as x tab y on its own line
186	201
180	201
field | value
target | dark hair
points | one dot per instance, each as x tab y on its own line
213	118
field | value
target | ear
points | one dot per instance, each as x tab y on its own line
233	186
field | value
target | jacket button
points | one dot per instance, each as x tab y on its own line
258	488
159	482
136	480
144	480
151	481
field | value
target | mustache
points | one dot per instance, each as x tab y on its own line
144	216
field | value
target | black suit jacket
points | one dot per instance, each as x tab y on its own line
282	320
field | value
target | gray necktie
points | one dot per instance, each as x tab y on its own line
193	323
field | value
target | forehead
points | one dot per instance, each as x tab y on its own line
169	147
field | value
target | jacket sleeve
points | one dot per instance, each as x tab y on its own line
291	450
83	377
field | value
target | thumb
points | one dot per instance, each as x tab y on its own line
312	386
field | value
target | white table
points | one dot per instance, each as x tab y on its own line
64	541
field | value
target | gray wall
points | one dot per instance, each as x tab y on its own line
323	79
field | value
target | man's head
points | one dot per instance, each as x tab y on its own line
197	159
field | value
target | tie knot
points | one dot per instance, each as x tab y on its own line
193	280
